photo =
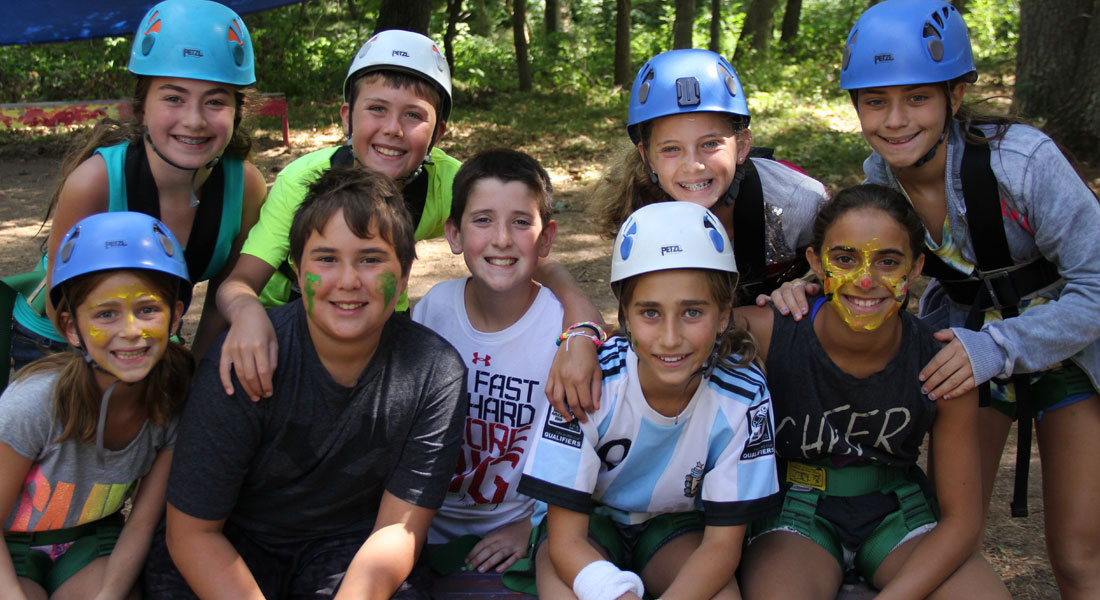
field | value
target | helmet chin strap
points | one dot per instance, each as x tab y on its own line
943	135
194	172
730	195
932	151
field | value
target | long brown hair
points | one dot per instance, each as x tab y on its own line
109	132
77	395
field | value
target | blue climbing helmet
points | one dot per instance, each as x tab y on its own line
670	235
119	240
195	39
684	81
907	42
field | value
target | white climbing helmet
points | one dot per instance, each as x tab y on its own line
670	235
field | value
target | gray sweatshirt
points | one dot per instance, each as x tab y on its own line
1047	211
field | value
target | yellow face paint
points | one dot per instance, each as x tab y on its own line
859	271
97	335
117	310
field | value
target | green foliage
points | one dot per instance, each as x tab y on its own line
994	28
84	70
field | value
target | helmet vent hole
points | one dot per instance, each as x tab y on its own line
938	19
931	32
147	44
935	48
238	54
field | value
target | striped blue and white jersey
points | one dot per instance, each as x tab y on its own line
632	463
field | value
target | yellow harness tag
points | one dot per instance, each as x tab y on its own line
807	475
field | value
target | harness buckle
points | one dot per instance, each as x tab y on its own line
806	476
1001	287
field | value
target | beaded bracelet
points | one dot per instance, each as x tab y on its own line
590	325
564	337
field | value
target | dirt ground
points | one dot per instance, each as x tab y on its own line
29	173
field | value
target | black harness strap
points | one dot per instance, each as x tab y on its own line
749	231
415	192
983	209
142	196
748	225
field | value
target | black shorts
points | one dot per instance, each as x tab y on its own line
304	570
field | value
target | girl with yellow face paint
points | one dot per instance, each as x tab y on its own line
850	420
86	430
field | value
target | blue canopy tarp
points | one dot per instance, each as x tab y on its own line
41	21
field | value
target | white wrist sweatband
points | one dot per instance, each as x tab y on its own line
602	580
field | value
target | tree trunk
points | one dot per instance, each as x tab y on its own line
454	13
553	17
479	19
789	29
1058	71
519	37
413	15
353	12
960	4
715	44
623	76
757	31
684	23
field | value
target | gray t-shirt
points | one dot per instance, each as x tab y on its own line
314	459
68	484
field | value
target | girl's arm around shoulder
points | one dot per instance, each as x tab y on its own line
127	559
758	321
955	456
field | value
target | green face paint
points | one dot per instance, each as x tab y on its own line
386	284
311	280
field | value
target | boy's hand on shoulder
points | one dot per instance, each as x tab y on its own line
575	380
501	548
250	349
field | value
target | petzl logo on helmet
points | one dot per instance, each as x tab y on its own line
673	249
192	52
884	58
114	244
400	53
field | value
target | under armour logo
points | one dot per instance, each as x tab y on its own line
484	359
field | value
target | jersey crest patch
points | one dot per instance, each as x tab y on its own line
561	431
761	437
693	479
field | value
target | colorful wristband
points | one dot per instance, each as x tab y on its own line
564	337
590	325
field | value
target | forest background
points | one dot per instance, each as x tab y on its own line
552	78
